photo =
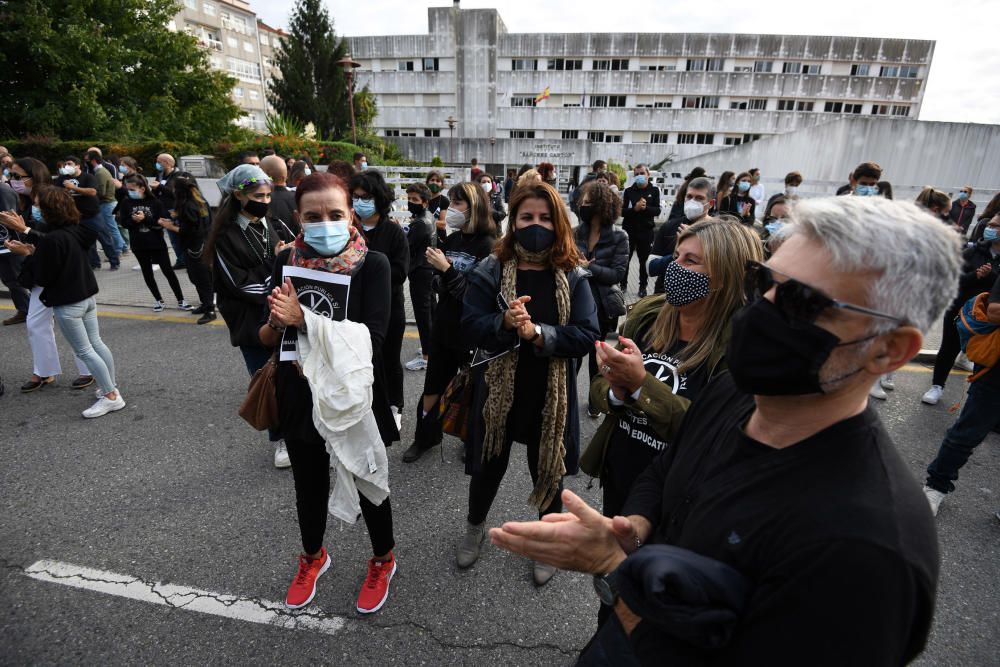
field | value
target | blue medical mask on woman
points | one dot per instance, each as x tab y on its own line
135	194
773	226
36	215
641	180
365	208
744	186
990	234
963	195
327	238
866	190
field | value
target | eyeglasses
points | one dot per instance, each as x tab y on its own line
18	177
797	300
362	196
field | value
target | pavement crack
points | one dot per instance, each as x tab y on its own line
446	643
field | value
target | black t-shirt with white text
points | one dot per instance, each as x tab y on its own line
87	205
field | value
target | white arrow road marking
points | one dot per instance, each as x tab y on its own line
182	597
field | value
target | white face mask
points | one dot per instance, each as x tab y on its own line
791	190
693	209
488	187
67	170
454	218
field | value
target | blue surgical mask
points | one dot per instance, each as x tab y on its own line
744	186
159	167
122	169
866	190
990	234
327	238
364	165
6	173
773	226
641	180
134	194
36	214
365	208
963	195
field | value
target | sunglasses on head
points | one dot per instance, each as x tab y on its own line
797	300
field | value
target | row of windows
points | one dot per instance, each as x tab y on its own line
713	65
712	102
426	65
244	69
603	136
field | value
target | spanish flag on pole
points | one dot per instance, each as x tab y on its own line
543	96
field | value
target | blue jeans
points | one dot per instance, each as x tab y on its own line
107	241
979	416
78	322
107	213
255	357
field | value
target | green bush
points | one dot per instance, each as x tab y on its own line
50	150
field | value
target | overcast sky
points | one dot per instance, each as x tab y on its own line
964	82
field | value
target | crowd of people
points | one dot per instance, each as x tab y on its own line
738	454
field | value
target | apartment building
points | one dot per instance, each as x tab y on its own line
570	98
229	30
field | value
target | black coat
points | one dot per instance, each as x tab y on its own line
242	280
640	222
281	211
482	326
962	215
969	285
608	262
62	268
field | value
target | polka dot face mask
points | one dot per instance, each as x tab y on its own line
684	286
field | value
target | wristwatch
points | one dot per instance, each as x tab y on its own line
538	334
606	587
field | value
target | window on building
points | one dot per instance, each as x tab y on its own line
564	64
391	133
596	136
743	68
522	101
833	107
652	68
685	138
522	64
616	101
701	138
432	133
763	66
852	108
208	8
812	69
612	138
407	133
659	138
191	4
238	92
431	64
703	102
733	141
522	134
757	104
747	138
254	95
662	105
598	100
859	70
572	104
888	71
880	110
263	39
804	106
571	134
704	64
233	42
612	64
244	69
909	71
791	68
268	61
248	47
738	105
786	105
900	110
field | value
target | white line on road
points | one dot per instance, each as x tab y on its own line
182	597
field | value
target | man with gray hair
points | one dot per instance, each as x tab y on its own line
782	473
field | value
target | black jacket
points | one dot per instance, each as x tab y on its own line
145	234
242	280
482	326
734	202
282	213
61	265
421	234
969	285
464	251
640	221
193	227
608	262
389	239
496	207
962	215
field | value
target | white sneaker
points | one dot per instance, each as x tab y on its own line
98	393
963	363
184	305
158	307
877	391
934	497
103	406
887	382
281	459
418	363
398	416
933	395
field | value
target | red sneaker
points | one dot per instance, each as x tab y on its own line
303	588
375	590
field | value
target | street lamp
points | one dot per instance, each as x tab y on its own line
493	143
452	122
349	66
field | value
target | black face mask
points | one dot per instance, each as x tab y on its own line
770	356
416	210
586	213
535	238
257	209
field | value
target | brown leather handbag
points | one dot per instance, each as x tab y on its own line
260	407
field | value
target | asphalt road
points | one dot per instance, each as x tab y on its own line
177	489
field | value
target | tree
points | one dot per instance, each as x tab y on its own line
313	87
108	69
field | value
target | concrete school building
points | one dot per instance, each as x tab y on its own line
571	98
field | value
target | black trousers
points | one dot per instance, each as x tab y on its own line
147	258
423	299
484	485
948	351
10	268
442	365
639	243
391	349
201	277
311	470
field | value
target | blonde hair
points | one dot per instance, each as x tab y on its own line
728	246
